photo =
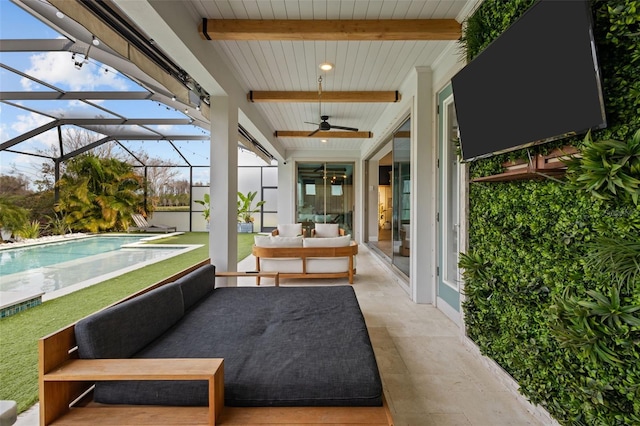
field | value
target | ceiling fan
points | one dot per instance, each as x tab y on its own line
325	126
324	123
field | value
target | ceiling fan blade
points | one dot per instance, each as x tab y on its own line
352	129
308	122
314	132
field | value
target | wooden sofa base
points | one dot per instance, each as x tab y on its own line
66	384
126	415
303	253
58	382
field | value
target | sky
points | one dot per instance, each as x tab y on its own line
57	69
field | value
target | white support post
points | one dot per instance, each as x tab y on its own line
424	200
223	237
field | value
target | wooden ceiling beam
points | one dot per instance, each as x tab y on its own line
322	135
285	29
346	96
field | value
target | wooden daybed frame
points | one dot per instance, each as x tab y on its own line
66	384
308	252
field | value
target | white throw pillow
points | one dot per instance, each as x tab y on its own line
271	241
343	241
290	230
325	230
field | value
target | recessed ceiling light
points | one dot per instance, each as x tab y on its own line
60	14
323	140
326	66
95	41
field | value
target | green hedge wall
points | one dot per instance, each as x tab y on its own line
542	297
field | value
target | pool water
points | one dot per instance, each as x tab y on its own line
23	259
61	268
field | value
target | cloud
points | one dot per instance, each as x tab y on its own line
4	136
58	68
26	122
24	164
14	124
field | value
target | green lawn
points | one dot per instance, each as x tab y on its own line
19	333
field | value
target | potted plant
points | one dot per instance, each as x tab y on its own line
12	218
206	203
246	210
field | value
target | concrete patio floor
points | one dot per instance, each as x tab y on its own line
431	374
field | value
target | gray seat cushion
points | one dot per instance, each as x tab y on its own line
122	330
282	346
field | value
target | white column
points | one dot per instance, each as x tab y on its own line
424	178
223	237
286	192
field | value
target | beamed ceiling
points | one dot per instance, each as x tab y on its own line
273	49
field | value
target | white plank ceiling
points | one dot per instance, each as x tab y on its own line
293	65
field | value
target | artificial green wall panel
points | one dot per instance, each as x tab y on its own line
539	299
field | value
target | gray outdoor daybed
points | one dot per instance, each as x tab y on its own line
240	355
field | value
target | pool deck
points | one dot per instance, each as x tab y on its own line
8	298
76	236
12	302
43	240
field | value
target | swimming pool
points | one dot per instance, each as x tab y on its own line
59	268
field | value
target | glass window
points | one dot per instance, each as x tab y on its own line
325	194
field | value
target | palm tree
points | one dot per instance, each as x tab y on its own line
99	194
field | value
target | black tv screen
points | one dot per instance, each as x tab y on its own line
537	82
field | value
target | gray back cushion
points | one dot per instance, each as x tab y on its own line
122	330
197	284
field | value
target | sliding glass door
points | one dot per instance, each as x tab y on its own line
325	194
401	187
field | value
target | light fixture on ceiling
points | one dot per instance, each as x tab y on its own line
323	140
79	64
173	98
60	14
326	66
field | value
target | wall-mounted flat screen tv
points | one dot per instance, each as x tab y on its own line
538	81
